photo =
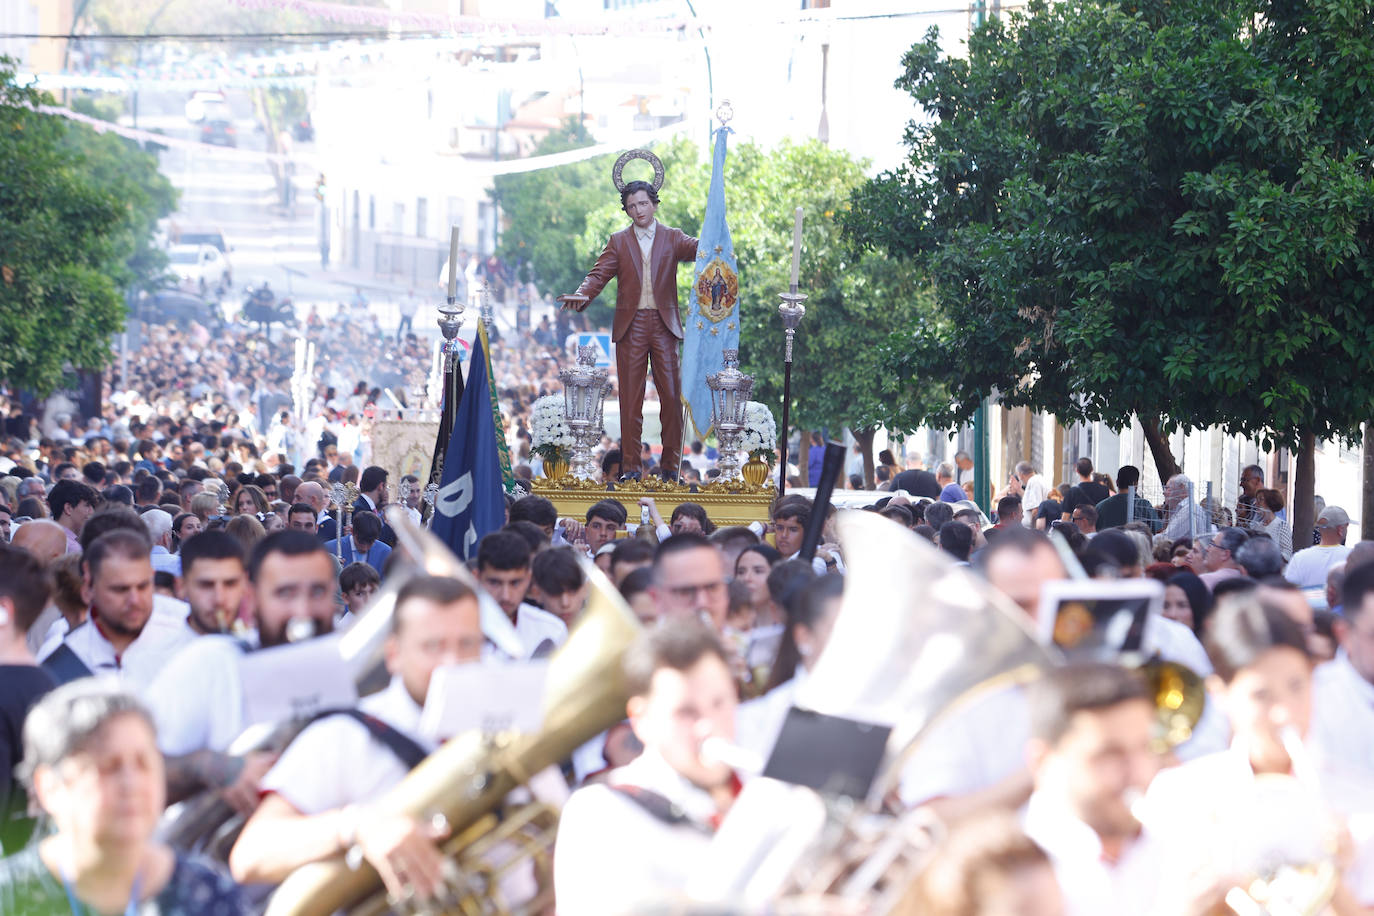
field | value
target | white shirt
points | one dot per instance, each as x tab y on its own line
1035	492
1207	811
759	721
979	744
165	561
336	761
700	462
646	248
1178	521
533	625
818	565
163	636
1092	886
974	747
612	856
197	700
1343	716
1309	566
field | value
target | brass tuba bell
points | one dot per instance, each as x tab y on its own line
469	777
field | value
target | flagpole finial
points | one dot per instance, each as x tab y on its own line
724	112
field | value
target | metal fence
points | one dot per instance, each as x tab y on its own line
1177	522
1212	509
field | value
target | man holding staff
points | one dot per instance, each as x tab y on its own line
647	324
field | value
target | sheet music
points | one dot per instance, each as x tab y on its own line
295	681
490	696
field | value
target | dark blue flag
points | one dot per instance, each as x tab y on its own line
471	501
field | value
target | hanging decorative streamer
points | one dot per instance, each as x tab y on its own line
466	25
475	168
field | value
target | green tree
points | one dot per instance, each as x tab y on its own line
854	302
1157	208
76	219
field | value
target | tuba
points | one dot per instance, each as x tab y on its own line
915	638
468	779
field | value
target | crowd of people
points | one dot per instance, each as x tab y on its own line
139	579
150	553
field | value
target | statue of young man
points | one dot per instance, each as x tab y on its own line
647	325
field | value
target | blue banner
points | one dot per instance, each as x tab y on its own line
471	501
712	324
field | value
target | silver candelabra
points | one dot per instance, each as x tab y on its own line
584	392
730	391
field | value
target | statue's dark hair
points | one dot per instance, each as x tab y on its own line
633	186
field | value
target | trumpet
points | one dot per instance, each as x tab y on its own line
1179	697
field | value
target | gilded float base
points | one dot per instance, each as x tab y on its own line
734	503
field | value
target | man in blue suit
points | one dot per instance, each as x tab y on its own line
363	545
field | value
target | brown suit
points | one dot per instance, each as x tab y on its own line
642	336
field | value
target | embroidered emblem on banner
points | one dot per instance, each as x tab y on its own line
717	290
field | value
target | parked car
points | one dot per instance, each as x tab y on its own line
219	132
170	306
208	235
303	130
199	267
202	102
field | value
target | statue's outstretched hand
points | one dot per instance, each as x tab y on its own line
573	301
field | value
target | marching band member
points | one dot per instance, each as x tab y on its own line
197	702
987	866
213	580
1263	682
688	580
975	760
641	835
1090	755
604	520
317	793
1343	689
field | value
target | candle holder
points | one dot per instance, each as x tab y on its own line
730	390
584	391
450	323
792	312
487	312
431	496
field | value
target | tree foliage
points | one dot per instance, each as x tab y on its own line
1159	208
77	211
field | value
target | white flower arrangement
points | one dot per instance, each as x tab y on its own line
550	436
760	432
